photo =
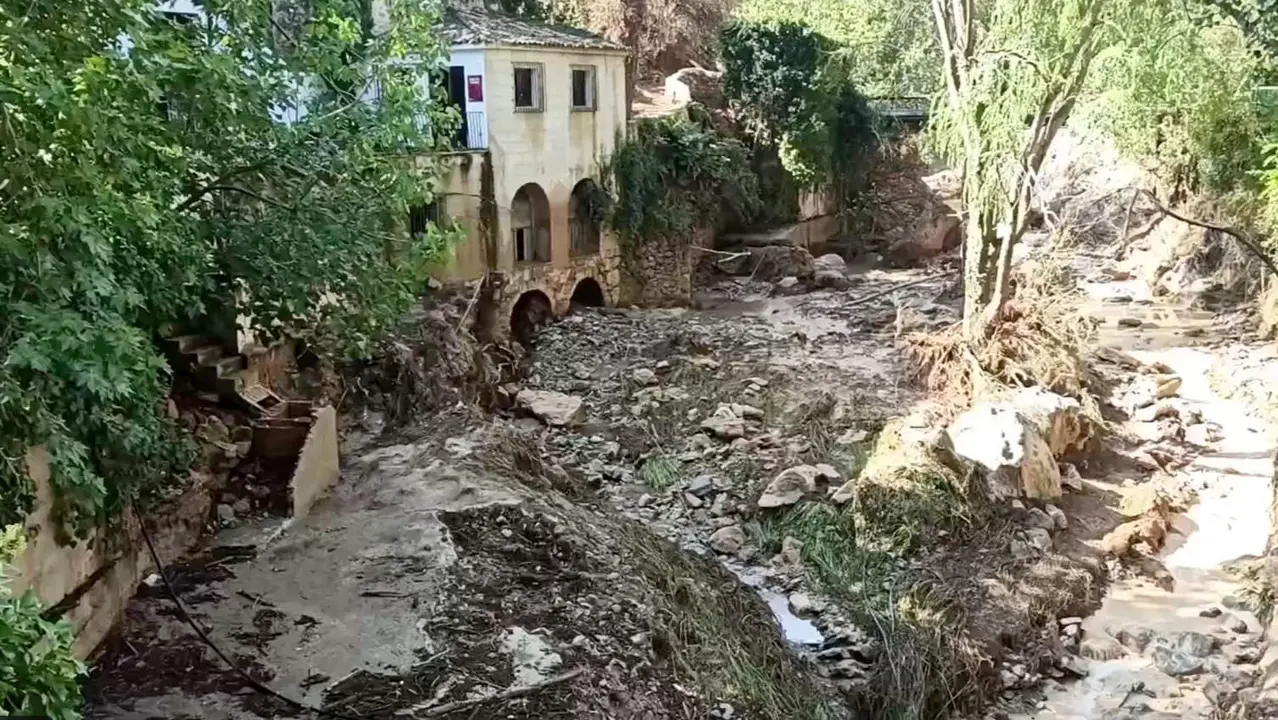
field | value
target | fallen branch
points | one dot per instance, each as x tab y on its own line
896	288
1238	235
728	255
503	696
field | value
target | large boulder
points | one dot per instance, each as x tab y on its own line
553	408
1057	418
775	262
1008	447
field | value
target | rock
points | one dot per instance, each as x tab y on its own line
831	279
1193	643
719	507
1150	530
1101	649
827	472
791	551
1074	665
749	412
832	262
225	514
1168	386
773	262
644	376
1058	517
724	424
1219	692
553	408
1021	550
244	507
692	501
1243	655
701	486
1039	539
1059	419
845	493
1008	447
1143	500
801	604
1039	519
1211	612
787	282
1177	663
1070	477
1067	621
1234	624
728	540
1135	637
1129	322
852	436
793	484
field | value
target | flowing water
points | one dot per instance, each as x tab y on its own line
1230	520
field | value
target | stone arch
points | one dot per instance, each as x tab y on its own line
588	293
532	310
530	224
583	218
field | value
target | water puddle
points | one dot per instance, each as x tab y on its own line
796	630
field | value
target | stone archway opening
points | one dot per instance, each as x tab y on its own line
584	212
532	310
530	224
588	293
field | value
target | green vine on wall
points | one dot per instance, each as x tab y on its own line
676	174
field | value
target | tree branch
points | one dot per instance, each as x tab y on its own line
1238	235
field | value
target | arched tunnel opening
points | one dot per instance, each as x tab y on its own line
588	293
532	310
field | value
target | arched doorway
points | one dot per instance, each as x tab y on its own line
530	224
588	293
532	310
584	217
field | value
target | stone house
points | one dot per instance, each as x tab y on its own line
543	108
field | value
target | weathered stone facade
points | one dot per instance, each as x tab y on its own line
659	273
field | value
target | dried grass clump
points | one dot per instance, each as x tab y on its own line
1040	339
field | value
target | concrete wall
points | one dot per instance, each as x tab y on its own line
115	557
318	465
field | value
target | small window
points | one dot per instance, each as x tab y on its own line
421	217
528	88
583	88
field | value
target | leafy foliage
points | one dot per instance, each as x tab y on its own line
150	184
781	79
887	46
673	175
39	675
1176	88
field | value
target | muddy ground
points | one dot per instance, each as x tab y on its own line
636	550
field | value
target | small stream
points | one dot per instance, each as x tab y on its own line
1229	521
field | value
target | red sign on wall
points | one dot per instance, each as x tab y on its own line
475	88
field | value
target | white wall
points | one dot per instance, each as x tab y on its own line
474	63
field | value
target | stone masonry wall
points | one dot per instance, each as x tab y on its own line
659	273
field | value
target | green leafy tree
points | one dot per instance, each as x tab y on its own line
39	675
887	46
1013	73
785	82
149	183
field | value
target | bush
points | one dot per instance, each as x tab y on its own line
39	674
674	175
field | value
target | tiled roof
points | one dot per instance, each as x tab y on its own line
467	26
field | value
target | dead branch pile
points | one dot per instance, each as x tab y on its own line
430	362
1040	339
